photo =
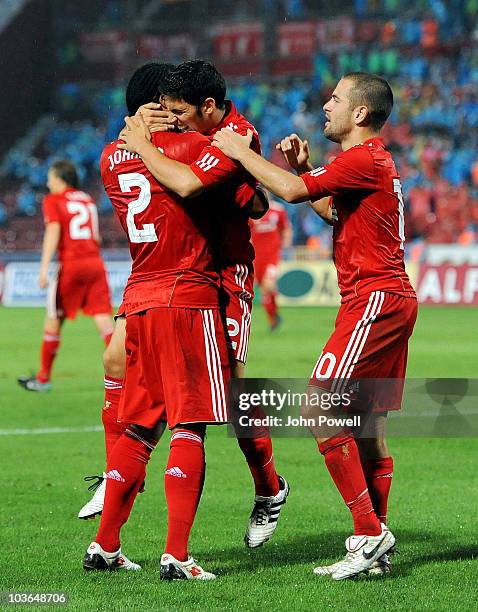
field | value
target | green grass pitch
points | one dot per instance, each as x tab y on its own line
432	509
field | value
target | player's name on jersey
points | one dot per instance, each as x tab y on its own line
299	421
120	156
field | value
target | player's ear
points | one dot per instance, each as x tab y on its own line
209	106
361	115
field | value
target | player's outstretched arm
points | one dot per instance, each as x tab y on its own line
284	184
171	173
51	240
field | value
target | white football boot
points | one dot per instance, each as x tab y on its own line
172	569
264	516
379	567
97	559
30	383
94	507
362	552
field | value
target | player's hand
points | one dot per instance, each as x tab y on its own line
43	280
295	152
156	118
134	135
231	143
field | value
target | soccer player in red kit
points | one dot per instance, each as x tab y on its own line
270	234
379	306
177	362
71	229
195	93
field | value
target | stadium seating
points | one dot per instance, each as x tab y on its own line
432	132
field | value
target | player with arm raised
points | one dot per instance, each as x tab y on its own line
71	229
379	306
195	93
270	235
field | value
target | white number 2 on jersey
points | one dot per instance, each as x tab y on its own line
397	188
79	228
126	181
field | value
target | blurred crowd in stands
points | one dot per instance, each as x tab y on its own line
433	131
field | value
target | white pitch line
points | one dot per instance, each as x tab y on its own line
49	430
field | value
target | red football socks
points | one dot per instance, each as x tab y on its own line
270	306
125	473
378	474
49	349
259	457
183	483
343	462
109	414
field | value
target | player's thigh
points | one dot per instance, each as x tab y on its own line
114	357
194	366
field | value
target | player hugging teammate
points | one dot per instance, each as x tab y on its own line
191	280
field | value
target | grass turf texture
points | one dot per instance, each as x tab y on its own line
432	510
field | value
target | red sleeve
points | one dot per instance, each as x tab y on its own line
354	169
213	167
51	213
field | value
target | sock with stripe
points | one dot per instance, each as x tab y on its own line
183	483
109	414
378	474
259	457
125	473
270	306
48	352
342	459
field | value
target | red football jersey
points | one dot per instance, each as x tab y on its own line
76	213
213	167
169	238
369	236
267	233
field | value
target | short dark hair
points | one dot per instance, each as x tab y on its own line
375	93
66	171
146	85
194	81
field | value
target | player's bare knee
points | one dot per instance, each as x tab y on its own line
114	363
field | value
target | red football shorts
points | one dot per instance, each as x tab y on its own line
370	341
177	368
237	292
80	285
265	268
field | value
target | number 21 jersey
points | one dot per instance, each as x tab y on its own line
76	213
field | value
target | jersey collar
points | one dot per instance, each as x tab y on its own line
231	111
377	140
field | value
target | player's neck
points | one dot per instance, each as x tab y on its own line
217	117
355	138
